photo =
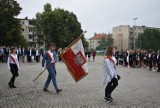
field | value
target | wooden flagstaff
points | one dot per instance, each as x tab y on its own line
73	42
41	72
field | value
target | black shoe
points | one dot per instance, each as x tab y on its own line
109	96
59	90
46	90
10	85
13	86
108	99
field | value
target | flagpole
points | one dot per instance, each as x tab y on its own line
41	72
73	42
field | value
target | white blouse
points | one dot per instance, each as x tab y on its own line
109	70
10	60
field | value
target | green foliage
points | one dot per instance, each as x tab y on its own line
104	43
10	28
59	26
149	39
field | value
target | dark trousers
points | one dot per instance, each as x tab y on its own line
150	65
14	71
37	59
117	60
29	59
111	86
158	66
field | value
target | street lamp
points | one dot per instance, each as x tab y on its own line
134	32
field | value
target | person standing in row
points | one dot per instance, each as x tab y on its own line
37	55
50	59
94	55
110	76
158	60
13	66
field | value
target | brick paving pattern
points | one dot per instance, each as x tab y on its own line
137	88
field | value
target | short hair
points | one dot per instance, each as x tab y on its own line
52	44
109	51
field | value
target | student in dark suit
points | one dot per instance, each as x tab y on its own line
158	61
37	54
50	58
130	58
149	58
23	52
6	52
29	55
154	60
116	55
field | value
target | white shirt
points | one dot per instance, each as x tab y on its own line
37	53
10	60
51	54
30	53
109	70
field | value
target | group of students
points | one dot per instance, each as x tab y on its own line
24	55
110	79
89	53
48	61
139	59
110	75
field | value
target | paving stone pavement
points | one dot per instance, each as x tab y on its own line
137	88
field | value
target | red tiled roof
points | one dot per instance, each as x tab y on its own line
98	36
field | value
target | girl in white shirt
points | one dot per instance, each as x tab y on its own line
13	66
110	80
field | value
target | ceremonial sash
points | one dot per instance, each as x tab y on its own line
14	60
49	55
110	58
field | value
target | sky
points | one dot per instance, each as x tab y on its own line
99	16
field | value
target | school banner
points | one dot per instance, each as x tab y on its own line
75	60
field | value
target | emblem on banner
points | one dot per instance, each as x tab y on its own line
79	59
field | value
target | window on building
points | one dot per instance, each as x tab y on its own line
30	30
93	41
30	37
98	41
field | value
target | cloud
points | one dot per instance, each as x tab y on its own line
101	15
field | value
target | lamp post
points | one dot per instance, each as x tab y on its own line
134	32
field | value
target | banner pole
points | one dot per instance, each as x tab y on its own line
73	42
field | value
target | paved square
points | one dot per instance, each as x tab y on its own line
137	88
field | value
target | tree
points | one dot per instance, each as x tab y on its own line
9	25
149	39
105	42
59	26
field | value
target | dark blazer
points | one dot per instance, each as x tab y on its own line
47	60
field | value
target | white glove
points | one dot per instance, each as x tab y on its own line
43	68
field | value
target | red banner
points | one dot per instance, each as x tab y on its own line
74	63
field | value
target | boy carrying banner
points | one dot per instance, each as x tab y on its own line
50	59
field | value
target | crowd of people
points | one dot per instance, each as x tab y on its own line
139	59
24	55
113	57
89	53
